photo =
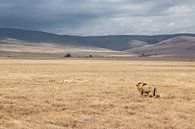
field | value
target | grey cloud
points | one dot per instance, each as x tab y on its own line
99	17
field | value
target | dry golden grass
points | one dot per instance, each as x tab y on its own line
95	94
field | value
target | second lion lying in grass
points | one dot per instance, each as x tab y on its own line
147	90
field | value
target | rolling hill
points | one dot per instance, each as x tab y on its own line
114	42
18	48
180	46
14	41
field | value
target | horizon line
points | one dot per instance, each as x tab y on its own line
42	31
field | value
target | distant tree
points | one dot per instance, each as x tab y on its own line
147	54
67	55
143	55
90	56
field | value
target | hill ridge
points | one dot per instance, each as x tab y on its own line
113	42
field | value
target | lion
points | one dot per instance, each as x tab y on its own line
146	90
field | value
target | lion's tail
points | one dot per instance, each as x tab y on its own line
154	93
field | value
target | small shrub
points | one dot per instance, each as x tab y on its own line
90	56
67	55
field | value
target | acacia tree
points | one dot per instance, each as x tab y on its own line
90	56
68	55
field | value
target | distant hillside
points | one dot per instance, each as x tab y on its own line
114	42
180	46
19	49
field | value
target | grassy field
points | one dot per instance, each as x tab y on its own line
95	94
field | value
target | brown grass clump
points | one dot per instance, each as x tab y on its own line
95	94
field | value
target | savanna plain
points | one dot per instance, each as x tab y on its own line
95	94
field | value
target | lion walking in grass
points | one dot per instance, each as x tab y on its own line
147	90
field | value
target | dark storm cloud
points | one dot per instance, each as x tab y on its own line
99	17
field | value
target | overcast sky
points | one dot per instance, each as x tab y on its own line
100	17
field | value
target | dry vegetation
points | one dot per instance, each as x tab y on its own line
95	94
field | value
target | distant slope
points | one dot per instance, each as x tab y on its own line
180	46
114	42
18	48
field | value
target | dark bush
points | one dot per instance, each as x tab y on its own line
67	55
90	56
